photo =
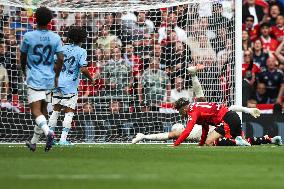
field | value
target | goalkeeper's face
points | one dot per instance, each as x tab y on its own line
183	111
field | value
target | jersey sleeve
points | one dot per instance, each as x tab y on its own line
25	44
83	59
188	129
205	129
58	47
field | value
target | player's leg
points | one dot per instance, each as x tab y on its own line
232	127
67	121
52	122
50	135
173	134
196	86
265	140
213	136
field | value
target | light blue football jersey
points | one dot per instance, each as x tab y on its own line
40	47
74	58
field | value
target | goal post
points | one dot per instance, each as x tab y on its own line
138	51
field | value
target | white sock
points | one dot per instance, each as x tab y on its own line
41	122
66	125
196	86
52	122
159	136
36	136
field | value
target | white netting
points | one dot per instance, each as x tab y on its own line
137	50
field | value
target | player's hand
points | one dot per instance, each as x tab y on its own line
255	112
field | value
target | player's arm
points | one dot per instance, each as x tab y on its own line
252	111
59	63
86	72
205	129
187	130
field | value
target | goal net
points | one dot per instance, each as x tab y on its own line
138	51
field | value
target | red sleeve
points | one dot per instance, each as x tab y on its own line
204	134
187	130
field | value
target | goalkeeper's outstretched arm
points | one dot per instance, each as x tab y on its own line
252	111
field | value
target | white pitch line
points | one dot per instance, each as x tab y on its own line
89	177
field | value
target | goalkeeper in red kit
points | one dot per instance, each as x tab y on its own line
206	113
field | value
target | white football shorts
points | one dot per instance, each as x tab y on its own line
69	100
35	95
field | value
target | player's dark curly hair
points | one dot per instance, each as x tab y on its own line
180	103
43	16
76	34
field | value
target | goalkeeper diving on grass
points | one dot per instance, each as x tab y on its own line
207	122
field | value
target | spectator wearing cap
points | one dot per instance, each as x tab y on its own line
270	44
250	8
273	79
259	55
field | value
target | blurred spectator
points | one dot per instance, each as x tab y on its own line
249	65
107	41
4	79
172	24
246	41
134	29
279	53
63	20
260	56
274	12
180	92
219	42
277	30
250	8
155	85
1	19
115	107
260	95
217	20
21	25
270	44
247	87
117	75
201	50
252	30
89	126
273	79
133	60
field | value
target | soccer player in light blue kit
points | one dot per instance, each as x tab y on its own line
66	94
37	61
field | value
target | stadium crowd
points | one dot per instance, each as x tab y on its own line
263	52
139	58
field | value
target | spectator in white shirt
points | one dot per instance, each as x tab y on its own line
180	92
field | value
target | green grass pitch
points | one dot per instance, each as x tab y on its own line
142	167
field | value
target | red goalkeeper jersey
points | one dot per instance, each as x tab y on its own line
205	114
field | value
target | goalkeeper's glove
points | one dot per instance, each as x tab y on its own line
254	112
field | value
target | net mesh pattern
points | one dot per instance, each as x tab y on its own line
138	51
